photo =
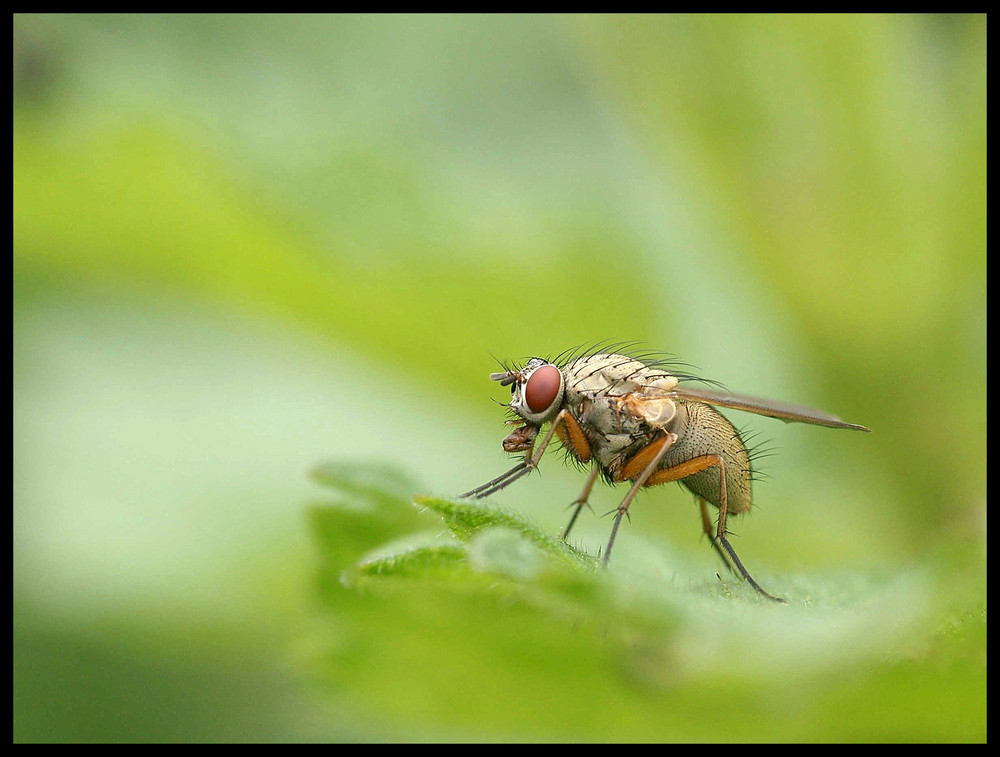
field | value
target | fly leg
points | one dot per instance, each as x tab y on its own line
581	501
500	481
644	462
720	537
531	459
706	524
719	541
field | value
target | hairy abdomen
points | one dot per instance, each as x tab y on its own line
701	430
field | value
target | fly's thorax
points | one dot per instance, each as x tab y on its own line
620	403
613	375
611	433
702	430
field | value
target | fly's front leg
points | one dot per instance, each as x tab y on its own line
531	459
500	481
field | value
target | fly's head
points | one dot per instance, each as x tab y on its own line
536	390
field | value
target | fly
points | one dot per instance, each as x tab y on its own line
631	418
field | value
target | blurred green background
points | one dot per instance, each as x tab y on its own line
246	246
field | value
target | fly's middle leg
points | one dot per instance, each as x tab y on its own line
649	457
581	501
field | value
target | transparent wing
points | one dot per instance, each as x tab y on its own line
782	410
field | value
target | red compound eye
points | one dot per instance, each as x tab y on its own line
542	387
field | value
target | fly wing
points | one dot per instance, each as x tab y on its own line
782	410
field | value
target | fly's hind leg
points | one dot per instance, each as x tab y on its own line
706	524
720	535
719	541
743	571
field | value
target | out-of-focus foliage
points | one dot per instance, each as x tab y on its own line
244	245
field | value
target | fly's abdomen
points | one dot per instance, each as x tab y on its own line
702	431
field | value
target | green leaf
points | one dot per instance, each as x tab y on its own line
467	519
492	626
